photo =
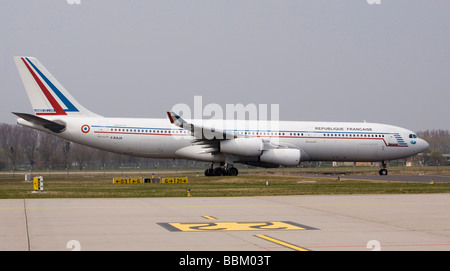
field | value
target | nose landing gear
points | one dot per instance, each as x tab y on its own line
383	171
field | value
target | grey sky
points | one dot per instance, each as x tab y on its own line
328	60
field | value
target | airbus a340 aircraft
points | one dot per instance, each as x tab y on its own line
58	113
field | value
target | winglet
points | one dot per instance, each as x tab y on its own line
171	118
175	119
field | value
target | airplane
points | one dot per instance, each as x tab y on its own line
284	143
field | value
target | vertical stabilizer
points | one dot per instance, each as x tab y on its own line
46	94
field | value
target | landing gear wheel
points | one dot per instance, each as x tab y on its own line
223	170
232	171
218	171
209	172
383	172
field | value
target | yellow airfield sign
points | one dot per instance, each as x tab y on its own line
174	180
38	183
127	180
149	180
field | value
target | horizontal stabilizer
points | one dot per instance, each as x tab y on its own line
48	124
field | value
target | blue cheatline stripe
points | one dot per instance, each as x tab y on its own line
67	103
271	131
124	127
400	140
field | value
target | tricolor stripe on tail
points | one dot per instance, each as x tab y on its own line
46	94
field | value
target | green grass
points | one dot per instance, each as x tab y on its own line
59	186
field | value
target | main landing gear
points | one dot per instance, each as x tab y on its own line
223	170
383	171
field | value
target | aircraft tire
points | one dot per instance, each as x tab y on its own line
218	172
232	171
209	172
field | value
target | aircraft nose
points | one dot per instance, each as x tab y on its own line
423	145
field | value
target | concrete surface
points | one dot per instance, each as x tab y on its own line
391	222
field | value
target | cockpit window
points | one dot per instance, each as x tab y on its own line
412	136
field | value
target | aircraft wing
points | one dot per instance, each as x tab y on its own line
207	137
204	135
253	150
200	132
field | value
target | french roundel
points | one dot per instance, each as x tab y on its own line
85	128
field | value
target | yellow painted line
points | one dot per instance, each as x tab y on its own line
285	244
209	217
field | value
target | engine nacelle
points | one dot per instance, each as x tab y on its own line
242	146
284	157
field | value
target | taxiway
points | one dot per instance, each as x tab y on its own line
279	223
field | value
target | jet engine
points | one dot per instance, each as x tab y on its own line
284	157
242	146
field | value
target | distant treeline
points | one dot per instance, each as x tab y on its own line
22	148
439	141
27	149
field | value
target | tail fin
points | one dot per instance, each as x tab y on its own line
46	94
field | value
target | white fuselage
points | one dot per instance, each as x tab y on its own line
318	141
260	143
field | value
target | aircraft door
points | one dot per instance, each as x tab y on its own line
102	130
310	138
391	140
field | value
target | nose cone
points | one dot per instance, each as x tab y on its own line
423	145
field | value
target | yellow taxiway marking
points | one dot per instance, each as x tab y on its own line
234	226
285	244
209	217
